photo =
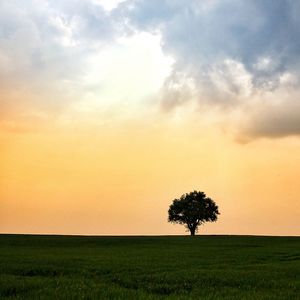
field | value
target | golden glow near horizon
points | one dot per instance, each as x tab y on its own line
121	181
99	136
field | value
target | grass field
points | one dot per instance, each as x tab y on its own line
201	267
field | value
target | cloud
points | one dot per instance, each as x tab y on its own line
69	59
44	49
239	58
199	33
277	115
51	38
276	122
232	51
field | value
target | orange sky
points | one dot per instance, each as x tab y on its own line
121	180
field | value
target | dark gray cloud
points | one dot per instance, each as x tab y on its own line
273	118
231	49
276	123
199	33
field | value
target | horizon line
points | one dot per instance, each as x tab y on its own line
142	235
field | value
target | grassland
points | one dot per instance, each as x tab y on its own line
201	267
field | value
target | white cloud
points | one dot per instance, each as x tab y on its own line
108	5
65	29
231	77
44	51
263	64
124	74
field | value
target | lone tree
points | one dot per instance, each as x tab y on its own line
192	210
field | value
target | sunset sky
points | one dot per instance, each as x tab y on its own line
110	109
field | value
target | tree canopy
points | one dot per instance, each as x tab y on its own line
193	209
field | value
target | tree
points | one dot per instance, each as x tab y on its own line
193	209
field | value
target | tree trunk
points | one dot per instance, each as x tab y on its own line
192	230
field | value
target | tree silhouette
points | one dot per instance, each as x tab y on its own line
192	210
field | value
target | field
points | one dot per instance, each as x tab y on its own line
178	267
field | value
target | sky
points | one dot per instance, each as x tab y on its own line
110	109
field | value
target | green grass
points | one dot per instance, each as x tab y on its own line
201	267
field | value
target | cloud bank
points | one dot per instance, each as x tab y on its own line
241	58
237	54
